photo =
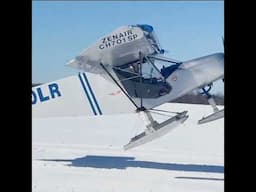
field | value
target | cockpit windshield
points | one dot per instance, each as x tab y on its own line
166	67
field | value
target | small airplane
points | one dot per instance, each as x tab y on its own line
132	58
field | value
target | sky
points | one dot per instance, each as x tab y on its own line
61	30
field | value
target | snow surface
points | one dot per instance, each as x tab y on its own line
78	154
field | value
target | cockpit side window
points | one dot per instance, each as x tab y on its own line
142	80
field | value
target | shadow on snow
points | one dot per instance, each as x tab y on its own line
115	162
202	178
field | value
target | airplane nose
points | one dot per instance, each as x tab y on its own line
220	62
221	57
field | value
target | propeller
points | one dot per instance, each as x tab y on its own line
223	42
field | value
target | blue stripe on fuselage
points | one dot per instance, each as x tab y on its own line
88	97
93	96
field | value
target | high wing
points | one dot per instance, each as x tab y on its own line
119	47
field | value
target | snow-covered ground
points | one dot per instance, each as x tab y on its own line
78	154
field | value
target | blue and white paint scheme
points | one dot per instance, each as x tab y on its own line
78	95
89	94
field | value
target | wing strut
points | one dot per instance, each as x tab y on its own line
111	76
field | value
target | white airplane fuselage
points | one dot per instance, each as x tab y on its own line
196	73
191	75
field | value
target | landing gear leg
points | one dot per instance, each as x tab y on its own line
211	101
217	114
149	121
